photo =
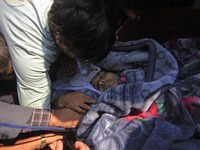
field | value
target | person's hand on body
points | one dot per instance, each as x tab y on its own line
68	65
76	101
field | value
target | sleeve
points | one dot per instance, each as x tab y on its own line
39	117
32	50
13	114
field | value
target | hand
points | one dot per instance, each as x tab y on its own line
81	146
65	118
76	101
54	141
68	65
57	145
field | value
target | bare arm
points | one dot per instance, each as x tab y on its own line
65	118
53	140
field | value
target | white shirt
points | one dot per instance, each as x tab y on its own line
24	24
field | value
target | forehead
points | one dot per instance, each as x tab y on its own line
107	73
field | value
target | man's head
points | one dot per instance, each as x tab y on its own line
83	29
6	70
105	80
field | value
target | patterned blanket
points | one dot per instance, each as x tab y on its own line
158	109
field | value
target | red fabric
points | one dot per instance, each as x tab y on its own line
124	79
187	102
153	111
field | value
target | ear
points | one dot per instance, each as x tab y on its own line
58	41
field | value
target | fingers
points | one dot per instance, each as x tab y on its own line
35	142
86	98
85	107
68	69
76	101
81	146
80	110
69	66
82	107
92	101
50	138
54	141
58	145
64	70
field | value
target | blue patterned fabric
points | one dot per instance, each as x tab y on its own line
152	72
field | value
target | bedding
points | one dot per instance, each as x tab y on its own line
158	109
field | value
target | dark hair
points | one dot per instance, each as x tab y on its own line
4	55
85	27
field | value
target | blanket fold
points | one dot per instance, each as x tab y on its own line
147	112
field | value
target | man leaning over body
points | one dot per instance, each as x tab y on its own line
36	31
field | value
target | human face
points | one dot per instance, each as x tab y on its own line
104	80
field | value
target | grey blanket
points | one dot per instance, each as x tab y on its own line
116	121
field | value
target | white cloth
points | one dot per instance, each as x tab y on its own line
86	72
24	24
